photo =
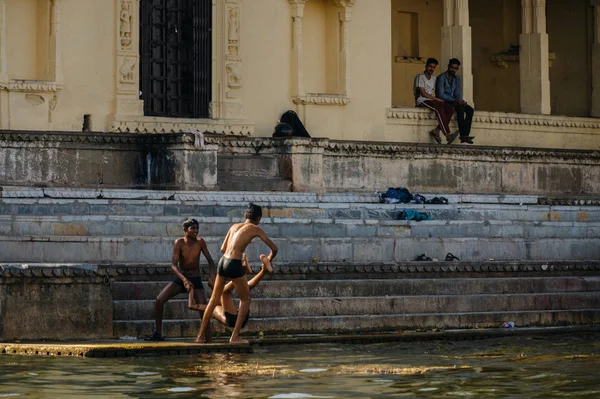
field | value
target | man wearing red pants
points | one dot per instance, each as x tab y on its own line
424	87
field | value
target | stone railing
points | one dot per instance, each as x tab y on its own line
411	124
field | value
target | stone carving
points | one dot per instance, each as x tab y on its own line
173	126
101	271
322	99
233	32
125	27
33	86
126	71
234	76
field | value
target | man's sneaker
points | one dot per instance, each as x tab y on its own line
156	337
467	139
452	137
436	136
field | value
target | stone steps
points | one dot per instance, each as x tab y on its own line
366	323
98	249
275	289
171	211
375	305
127	226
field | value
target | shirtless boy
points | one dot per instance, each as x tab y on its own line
230	266
186	266
225	312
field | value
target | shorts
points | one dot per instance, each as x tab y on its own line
231	268
232	319
197	281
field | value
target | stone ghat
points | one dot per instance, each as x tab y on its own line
112	301
128	226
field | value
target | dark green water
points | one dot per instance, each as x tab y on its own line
514	367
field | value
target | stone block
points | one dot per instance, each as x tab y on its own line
69	229
296	230
329	230
55	309
373	250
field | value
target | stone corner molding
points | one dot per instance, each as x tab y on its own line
502	59
141	124
322	99
32	86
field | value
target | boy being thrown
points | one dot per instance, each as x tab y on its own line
230	266
225	312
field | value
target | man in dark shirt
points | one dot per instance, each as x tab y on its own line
448	88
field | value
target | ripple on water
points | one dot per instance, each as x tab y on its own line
181	389
315	370
5	395
142	373
297	396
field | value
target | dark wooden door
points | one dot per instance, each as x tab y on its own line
176	57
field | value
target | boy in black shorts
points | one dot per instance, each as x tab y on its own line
225	312
186	266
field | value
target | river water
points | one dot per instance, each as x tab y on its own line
511	367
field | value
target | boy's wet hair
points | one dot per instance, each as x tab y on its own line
254	212
189	223
431	61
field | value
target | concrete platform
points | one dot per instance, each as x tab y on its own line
124	348
112	349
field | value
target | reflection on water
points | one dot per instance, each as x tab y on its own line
515	367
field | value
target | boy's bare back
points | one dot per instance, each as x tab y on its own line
238	237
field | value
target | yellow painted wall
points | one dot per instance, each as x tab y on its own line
429	14
88	64
315	46
569	30
267	66
495	25
21	32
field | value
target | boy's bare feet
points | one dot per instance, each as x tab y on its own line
266	263
200	340
245	264
238	340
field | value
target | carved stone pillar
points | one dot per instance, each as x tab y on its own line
533	59
595	111
128	58
55	53
456	42
4	109
227	60
297	59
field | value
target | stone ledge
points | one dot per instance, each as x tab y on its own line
502	118
148	124
341	269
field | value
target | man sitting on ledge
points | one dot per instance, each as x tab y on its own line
423	89
447	87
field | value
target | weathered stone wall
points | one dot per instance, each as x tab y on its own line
322	165
71	159
54	303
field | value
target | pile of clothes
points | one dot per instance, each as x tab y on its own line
401	195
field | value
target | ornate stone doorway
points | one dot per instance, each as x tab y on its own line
176	57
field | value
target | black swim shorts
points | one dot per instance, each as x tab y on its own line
232	319
231	268
197	281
